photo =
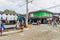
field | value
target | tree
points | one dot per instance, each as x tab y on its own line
9	11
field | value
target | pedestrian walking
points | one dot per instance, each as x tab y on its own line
17	24
21	26
37	22
49	22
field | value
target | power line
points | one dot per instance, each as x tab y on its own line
25	3
45	8
53	6
41	7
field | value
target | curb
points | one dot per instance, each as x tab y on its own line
10	32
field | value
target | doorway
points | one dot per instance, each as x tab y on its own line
44	21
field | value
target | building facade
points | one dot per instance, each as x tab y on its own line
41	15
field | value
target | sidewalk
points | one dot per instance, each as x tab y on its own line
10	31
37	32
15	31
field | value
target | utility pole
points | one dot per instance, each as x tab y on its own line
26	12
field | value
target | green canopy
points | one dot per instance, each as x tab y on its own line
42	14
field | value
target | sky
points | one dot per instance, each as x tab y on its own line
20	7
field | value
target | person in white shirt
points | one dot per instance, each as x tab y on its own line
15	17
8	17
17	24
11	17
3	16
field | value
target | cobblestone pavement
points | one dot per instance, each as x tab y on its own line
37	32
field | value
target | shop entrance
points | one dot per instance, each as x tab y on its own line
44	21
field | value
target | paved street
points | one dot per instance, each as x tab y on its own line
37	32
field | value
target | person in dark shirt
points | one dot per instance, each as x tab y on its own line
21	26
3	26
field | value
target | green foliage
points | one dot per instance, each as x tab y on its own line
9	11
